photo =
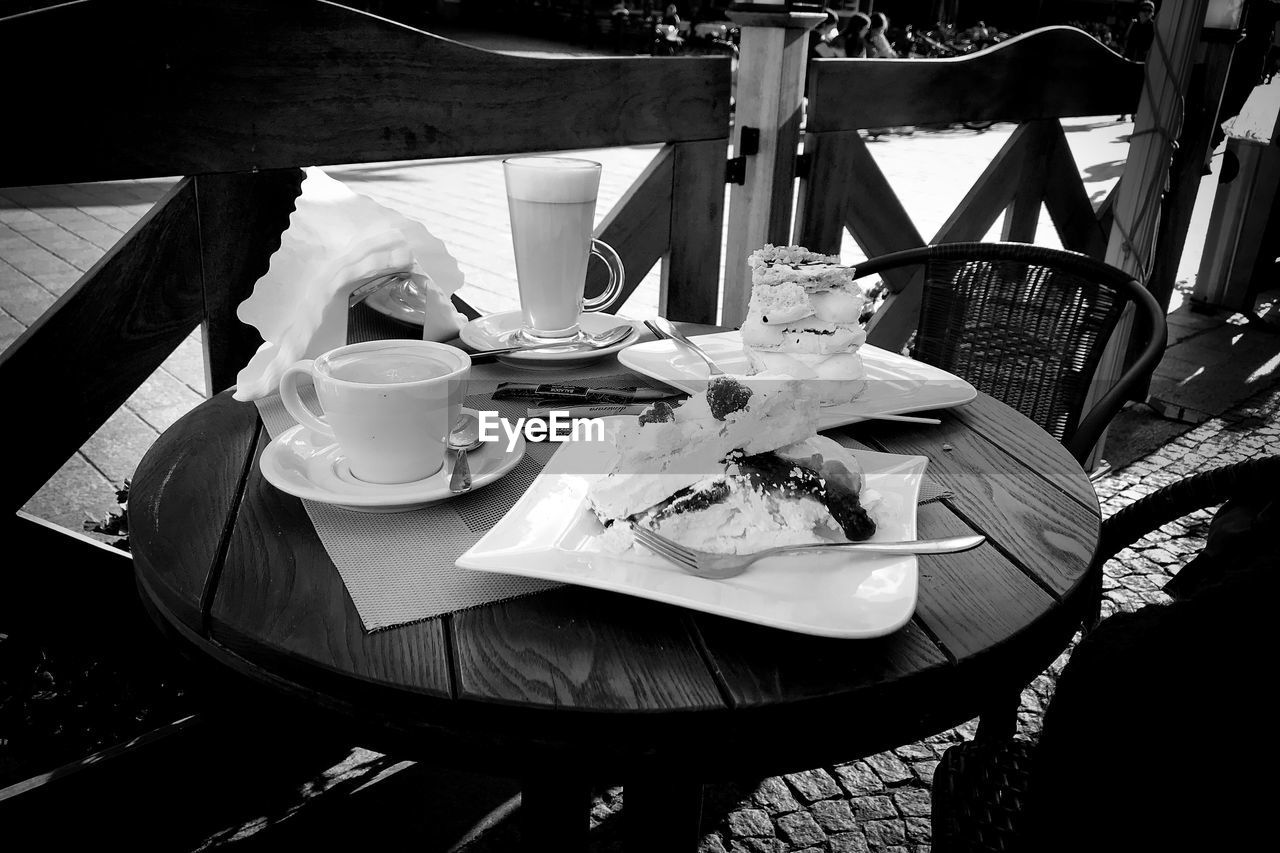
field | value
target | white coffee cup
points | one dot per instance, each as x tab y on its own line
552	201
390	405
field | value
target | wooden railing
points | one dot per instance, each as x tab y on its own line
237	95
1034	79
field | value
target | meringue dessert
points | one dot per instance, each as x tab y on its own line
734	471
803	322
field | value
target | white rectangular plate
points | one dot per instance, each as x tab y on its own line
895	384
550	533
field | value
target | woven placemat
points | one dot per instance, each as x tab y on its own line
399	567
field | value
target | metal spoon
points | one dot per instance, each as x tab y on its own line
663	328
465	436
584	342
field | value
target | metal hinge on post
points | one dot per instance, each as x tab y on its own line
802	165
748	145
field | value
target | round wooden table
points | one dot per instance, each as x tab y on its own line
573	686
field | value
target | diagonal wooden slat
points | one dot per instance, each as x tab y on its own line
242	217
638	227
1067	202
1022	216
79	362
994	189
691	275
991	193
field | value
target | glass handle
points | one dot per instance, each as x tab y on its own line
617	277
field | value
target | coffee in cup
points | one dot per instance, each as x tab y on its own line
390	405
552	201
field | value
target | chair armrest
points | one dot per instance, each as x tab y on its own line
1210	488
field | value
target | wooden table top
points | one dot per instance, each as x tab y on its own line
233	568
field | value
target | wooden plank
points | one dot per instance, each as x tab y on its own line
882	227
1052	72
1208	80
242	217
78	363
769	99
992	192
1068	203
1022	216
1042	530
280	602
547	651
973	600
638	227
1137	207
820	205
217	86
1005	428
762	666
891	326
691	275
177	538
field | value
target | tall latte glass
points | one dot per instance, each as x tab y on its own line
553	204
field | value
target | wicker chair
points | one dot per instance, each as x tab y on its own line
1027	325
980	787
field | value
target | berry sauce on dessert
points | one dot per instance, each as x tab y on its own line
769	472
726	395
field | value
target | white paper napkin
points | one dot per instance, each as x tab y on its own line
337	241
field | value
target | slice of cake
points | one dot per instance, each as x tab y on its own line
735	471
803	321
670	448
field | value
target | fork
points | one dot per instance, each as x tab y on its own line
721	566
663	329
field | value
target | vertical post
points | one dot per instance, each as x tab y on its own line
770	103
1137	206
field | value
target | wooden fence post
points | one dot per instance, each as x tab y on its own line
769	106
1137	206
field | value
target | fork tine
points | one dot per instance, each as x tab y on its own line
653	543
663	547
685	554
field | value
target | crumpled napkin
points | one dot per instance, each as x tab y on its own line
338	240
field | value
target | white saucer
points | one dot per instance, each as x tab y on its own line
387	302
311	466
494	331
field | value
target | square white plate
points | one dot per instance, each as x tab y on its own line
550	533
895	384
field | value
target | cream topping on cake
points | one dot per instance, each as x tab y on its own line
806	306
736	470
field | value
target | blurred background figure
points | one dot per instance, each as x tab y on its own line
620	16
824	38
877	43
1139	36
853	39
1141	32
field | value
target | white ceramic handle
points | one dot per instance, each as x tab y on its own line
292	402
